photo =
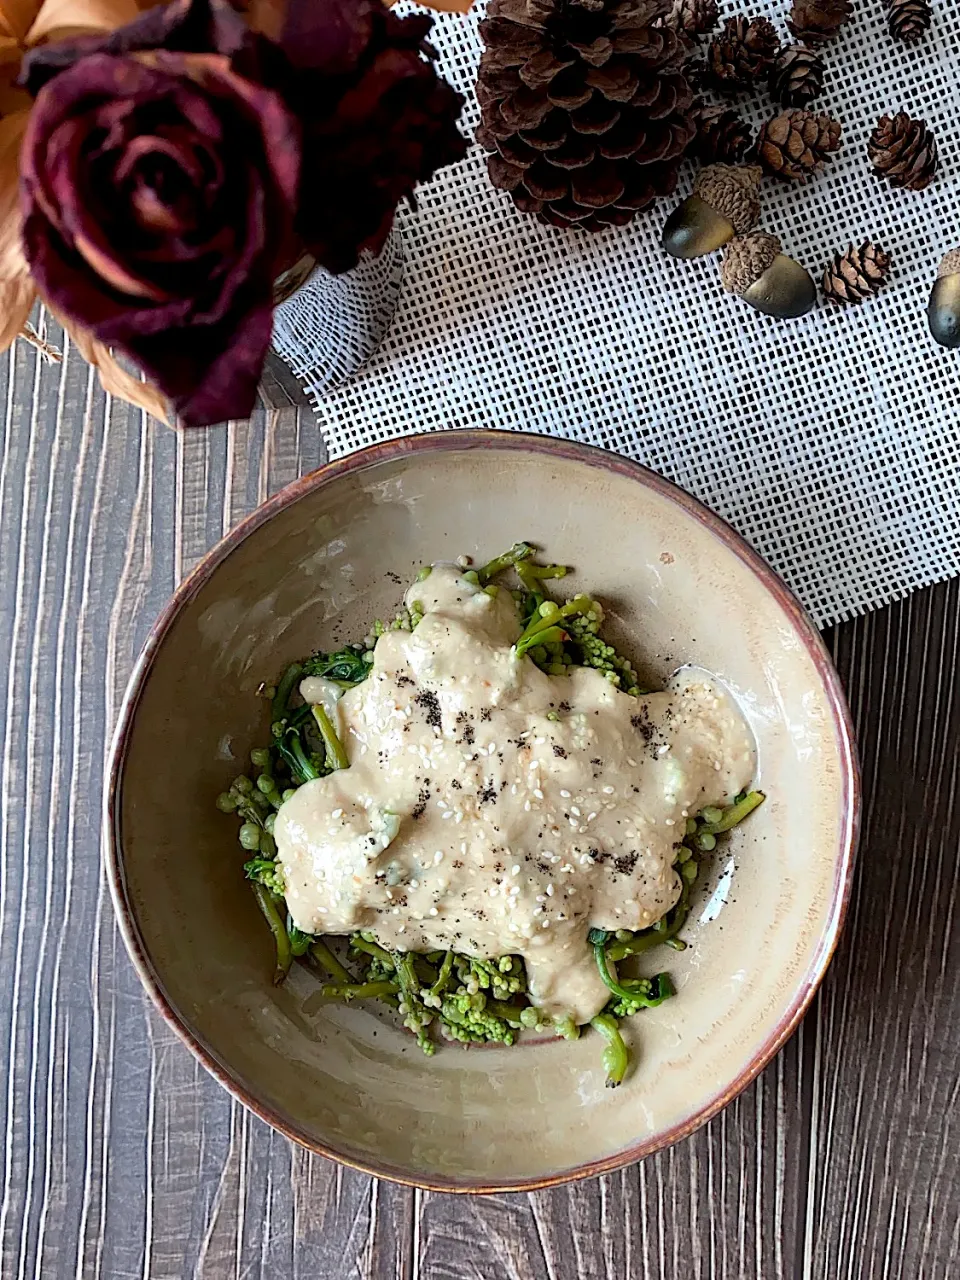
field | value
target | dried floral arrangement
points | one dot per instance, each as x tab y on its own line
160	169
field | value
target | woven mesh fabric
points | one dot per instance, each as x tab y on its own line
332	324
830	443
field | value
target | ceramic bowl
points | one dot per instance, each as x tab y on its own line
311	568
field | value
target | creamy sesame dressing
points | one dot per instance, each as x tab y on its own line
492	809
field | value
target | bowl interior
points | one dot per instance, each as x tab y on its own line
313	573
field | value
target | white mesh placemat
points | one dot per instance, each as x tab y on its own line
830	442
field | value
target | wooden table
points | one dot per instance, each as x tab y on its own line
122	1159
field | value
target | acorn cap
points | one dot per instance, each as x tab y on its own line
732	191
746	259
949	264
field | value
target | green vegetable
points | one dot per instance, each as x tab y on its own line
268	905
734	814
616	1056
360	990
281	698
336	755
518	552
266	872
348	667
322	954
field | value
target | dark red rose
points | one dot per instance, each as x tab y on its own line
376	119
158	194
170	165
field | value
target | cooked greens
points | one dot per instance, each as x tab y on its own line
460	997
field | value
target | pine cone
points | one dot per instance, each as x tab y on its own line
796	144
813	22
858	274
722	134
903	150
693	17
741	54
908	19
797	76
698	78
585	112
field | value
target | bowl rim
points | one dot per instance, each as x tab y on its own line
462	440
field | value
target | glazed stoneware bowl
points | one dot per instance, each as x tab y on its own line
311	569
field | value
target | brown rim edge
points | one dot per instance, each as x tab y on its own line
461	440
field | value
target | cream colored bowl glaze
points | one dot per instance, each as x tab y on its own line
311	569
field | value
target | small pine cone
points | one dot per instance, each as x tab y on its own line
733	191
741	54
813	22
796	144
908	19
858	274
746	258
903	150
797	76
722	134
693	17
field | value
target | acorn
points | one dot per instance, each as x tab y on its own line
943	309
725	203
755	270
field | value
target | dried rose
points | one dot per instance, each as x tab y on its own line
169	260
377	119
158	192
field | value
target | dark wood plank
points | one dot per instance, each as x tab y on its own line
121	1158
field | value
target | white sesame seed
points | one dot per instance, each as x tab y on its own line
591	816
565	794
608	791
575	811
337	813
549	890
434	911
538	793
515	869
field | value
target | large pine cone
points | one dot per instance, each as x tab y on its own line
858	274
796	144
903	150
584	109
741	54
816	21
908	19
797	76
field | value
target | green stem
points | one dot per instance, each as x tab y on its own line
616	1055
336	756
639	992
541	571
549	635
373	949
443	978
579	604
734	814
519	551
268	905
360	990
327	960
281	699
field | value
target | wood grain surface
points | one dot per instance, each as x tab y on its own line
120	1158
